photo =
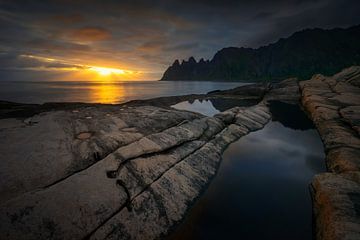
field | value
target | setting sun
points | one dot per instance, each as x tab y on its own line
107	71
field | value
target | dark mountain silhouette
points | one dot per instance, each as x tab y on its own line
301	55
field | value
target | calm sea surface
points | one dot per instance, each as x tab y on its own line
102	92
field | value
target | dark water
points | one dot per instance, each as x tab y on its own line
261	188
210	107
102	92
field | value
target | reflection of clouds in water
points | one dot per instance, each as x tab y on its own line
261	177
276	136
204	107
290	152
293	153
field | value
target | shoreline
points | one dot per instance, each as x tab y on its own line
132	139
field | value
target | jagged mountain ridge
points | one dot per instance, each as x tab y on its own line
301	55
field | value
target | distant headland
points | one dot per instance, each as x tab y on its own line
301	55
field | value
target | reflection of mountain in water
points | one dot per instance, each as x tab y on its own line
212	106
290	115
223	104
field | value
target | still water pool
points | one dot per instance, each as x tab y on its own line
261	190
212	106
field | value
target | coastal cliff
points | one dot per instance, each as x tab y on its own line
301	55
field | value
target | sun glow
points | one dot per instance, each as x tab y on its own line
107	71
75	70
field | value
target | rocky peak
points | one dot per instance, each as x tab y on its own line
176	63
192	60
276	61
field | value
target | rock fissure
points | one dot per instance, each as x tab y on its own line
95	156
123	162
145	163
147	186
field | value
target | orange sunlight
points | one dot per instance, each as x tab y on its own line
80	71
110	74
107	71
107	93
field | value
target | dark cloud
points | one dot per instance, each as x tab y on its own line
183	47
20	62
88	34
148	35
55	45
72	18
263	16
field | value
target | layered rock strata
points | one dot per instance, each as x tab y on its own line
111	172
333	103
131	171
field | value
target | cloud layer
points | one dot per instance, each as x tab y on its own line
147	36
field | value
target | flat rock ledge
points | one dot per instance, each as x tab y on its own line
131	171
333	103
126	171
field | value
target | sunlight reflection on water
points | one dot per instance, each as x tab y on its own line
102	92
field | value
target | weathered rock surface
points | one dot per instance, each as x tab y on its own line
333	103
286	91
337	205
45	148
100	172
131	171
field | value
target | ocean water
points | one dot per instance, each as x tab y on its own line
261	190
102	92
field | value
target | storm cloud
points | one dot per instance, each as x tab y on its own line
147	36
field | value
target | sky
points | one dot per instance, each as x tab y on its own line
74	40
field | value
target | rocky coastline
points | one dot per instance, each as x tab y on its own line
131	171
333	103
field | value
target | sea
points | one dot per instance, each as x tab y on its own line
102	92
